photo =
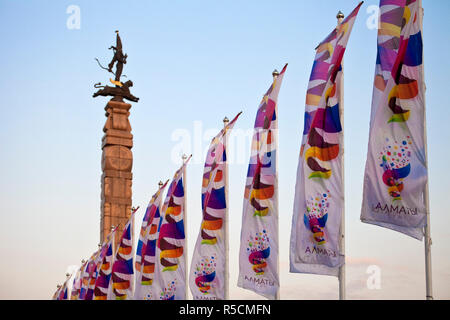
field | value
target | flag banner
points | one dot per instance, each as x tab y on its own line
76	286
319	196
258	254
104	268
207	272
56	294
122	269
92	270
63	291
146	250
169	282
396	174
85	277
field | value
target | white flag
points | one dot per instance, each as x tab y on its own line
396	174
319	197
207	273
258	255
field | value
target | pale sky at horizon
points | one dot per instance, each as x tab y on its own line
192	63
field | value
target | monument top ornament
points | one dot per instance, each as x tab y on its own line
121	90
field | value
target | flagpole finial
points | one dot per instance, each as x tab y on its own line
83	261
67	275
226	120
99	245
340	15
184	157
160	183
58	286
275	73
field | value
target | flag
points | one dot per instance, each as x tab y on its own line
207	272
104	268
122	269
319	196
258	254
63	291
76	286
169	281
146	250
85	277
93	271
396	172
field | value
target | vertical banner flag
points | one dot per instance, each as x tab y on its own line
207	272
85	277
104	269
146	249
122	269
319	197
93	272
76	285
169	282
396	173
258	255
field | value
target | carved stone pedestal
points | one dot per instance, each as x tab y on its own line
117	162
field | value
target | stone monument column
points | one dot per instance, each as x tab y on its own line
117	159
117	163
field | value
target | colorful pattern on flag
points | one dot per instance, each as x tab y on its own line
170	256
319	198
104	269
122	269
396	173
85	277
260	208
76	285
207	273
146	250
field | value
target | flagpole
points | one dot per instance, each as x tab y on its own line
427	231
275	75
342	293
185	251
226	121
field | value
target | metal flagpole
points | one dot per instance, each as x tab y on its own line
427	231
341	277
185	251
275	75
226	229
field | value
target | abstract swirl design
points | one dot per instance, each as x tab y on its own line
322	124
213	192
395	161
261	173
316	215
172	227
105	268
258	251
399	55
168	293
146	249
122	270
205	274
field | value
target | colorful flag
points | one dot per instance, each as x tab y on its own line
258	255
93	271
169	281
207	273
122	269
396	172
85	276
104	269
76	286
319	197
146	250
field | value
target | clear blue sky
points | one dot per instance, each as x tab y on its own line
193	61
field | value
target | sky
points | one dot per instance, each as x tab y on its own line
193	63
